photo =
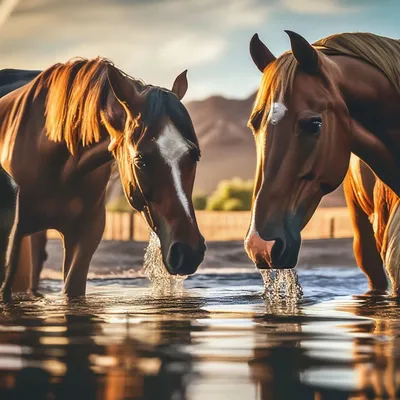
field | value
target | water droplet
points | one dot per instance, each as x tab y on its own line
281	284
154	268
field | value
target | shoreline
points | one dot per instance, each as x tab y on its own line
121	257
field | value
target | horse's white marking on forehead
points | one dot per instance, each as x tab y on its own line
277	112
173	147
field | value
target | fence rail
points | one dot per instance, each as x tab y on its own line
225	225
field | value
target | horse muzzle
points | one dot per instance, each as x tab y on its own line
183	259
275	253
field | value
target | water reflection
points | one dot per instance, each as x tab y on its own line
217	343
71	353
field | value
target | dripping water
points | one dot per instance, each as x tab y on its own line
155	270
281	284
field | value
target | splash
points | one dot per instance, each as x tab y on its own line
281	284
154	268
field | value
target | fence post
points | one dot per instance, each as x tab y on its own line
131	226
332	227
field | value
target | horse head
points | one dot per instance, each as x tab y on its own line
301	127
156	148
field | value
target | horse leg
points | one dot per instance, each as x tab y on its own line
39	256
364	244
15	247
7	235
391	249
80	243
21	282
11	237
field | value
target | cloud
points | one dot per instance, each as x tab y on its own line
208	49
150	39
195	32
324	7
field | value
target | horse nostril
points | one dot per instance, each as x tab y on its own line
278	250
176	256
183	259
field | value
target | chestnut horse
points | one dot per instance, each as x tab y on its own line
375	215
58	137
317	104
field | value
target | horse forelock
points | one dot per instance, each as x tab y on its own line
160	105
277	81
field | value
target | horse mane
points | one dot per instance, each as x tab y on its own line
75	97
278	77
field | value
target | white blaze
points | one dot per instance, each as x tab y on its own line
173	147
277	112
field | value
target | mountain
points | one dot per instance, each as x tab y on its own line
227	145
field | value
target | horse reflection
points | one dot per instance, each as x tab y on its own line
71	353
375	347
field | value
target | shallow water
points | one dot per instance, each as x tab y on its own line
214	339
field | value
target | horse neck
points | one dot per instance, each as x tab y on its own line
373	104
368	93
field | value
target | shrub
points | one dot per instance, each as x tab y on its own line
233	195
119	204
199	201
233	205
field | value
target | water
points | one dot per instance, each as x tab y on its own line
216	338
281	285
154	268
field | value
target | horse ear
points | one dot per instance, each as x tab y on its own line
180	85
260	53
304	53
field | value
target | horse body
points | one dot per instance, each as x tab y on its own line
58	137
46	200
76	209
374	212
338	96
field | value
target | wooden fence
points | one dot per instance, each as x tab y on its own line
222	226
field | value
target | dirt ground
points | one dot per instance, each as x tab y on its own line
115	257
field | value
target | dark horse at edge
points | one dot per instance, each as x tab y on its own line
11	79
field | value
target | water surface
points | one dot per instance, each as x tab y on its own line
215	339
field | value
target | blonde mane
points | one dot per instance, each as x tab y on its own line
278	77
75	98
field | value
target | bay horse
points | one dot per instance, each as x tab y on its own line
316	104
375	216
59	135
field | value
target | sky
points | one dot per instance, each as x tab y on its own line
155	40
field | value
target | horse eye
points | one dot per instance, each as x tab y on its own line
311	126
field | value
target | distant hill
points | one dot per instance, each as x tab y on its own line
227	145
